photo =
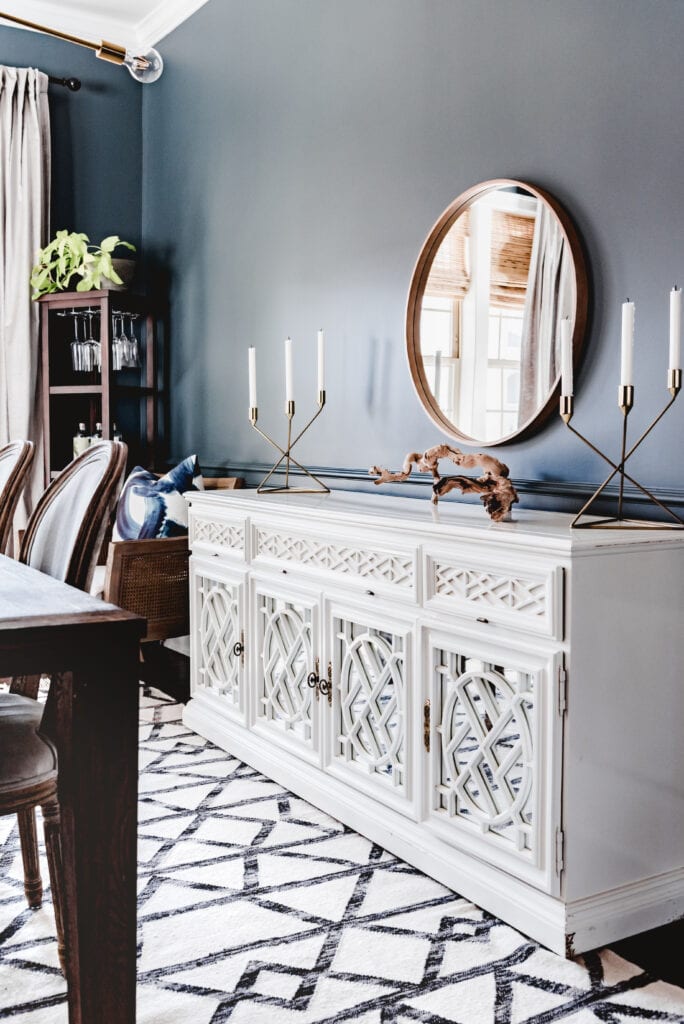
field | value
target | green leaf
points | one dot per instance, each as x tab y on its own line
109	243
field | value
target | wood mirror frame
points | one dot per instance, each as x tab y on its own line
417	289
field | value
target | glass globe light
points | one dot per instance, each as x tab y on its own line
145	67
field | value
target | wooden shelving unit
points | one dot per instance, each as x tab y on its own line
129	397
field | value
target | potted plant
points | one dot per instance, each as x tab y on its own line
70	258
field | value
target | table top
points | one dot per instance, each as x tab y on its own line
550	530
30	599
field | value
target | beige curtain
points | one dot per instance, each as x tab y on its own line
550	297
24	216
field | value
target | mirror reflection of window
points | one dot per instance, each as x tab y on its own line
472	314
494	280
439	327
503	370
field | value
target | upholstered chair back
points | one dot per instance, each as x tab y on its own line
66	531
15	464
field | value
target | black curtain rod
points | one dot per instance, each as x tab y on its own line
74	84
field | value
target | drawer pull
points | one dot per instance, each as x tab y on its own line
238	648
284	572
482	619
370	593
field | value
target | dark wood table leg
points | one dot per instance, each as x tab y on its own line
95	723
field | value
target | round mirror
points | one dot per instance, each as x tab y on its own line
500	270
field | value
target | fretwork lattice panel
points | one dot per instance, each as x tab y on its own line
385	567
371	724
219	631
218	534
513	593
286	651
486	737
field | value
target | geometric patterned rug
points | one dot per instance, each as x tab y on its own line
257	908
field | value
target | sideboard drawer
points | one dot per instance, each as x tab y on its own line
218	534
527	597
370	564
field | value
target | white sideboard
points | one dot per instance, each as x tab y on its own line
499	704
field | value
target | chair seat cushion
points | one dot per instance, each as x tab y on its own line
26	757
155	507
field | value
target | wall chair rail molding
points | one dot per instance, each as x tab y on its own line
572	490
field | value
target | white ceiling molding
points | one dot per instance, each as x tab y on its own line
135	24
164	18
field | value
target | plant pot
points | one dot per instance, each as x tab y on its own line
126	271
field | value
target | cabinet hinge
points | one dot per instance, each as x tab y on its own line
562	690
560	850
426	726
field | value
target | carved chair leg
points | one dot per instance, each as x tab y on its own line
53	845
33	883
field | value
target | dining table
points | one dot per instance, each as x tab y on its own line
90	651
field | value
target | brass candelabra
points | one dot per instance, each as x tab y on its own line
625	404
286	455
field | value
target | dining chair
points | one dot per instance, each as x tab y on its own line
62	539
15	463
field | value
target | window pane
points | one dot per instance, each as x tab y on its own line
436	331
510	422
494	382
493	341
511	334
493	425
511	389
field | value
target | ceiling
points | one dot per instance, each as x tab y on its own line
131	23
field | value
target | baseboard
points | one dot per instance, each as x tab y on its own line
627	910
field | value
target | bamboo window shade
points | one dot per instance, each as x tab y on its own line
512	238
450	272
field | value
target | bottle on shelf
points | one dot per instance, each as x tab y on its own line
81	440
97	436
116	433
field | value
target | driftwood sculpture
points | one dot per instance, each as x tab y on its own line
495	489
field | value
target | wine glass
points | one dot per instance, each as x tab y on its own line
76	353
118	341
134	348
92	355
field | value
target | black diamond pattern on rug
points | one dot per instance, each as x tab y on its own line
257	908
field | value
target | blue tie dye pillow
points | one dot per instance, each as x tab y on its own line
152	506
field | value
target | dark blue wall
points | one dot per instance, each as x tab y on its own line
96	136
296	153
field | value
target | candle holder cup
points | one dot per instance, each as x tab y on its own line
286	455
619	521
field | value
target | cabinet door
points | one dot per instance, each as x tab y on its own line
370	665
494	754
286	657
218	635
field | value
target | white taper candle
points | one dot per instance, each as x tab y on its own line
252	378
676	328
289	387
627	364
321	362
566	357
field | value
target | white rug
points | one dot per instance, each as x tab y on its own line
256	907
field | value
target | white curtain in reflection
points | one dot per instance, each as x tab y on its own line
550	297
24	213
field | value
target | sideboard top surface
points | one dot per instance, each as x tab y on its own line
451	518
